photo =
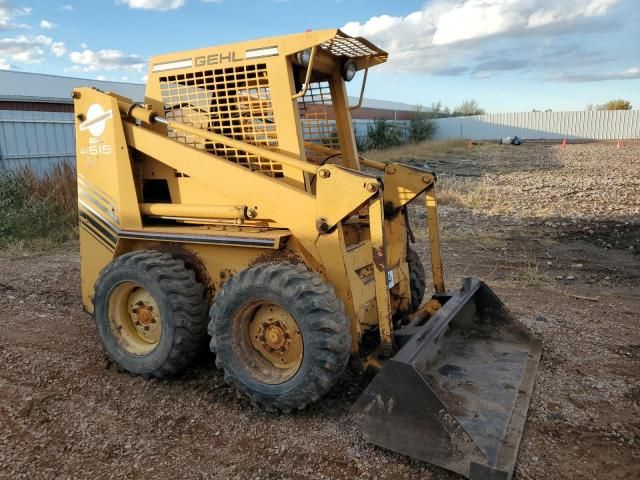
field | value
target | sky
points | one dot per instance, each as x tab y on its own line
508	55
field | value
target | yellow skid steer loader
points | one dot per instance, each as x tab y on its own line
232	207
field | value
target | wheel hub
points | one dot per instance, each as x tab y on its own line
275	336
135	318
145	315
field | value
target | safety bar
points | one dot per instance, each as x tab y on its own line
364	83
307	78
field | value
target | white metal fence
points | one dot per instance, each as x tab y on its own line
599	125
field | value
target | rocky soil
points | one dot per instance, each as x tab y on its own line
560	248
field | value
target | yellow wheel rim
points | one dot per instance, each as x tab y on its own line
134	318
268	341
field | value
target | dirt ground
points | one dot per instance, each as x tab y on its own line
555	232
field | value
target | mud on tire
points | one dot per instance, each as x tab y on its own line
182	314
321	320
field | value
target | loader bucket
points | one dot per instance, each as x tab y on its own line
456	394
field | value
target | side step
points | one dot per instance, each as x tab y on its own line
457	393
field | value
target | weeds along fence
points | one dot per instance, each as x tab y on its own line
38	209
361	128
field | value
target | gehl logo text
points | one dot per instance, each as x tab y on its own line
216	59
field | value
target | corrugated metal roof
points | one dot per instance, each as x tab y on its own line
37	87
386	105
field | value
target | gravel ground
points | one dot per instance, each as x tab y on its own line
566	265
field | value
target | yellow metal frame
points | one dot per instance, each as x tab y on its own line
227	215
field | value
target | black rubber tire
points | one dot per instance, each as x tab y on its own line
322	322
182	303
416	278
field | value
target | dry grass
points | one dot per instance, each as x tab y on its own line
59	186
484	240
420	151
529	273
470	193
37	212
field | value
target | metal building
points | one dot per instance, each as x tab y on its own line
36	117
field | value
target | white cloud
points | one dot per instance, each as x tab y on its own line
46	25
8	13
161	5
443	22
628	74
58	49
67	8
105	60
432	39
27	48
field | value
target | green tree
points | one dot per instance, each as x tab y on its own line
618	104
382	134
467	108
436	109
421	126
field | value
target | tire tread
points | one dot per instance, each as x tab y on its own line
187	299
329	326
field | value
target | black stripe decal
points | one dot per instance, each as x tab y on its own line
248	242
98	234
90	203
102	242
105	224
97	226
